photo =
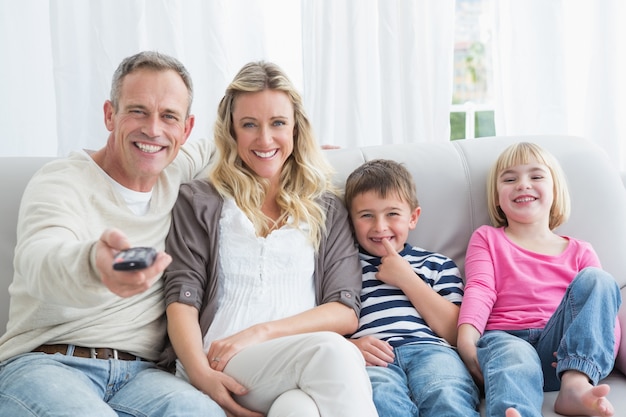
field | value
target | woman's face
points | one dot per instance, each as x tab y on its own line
264	127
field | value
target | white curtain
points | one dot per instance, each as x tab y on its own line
560	70
379	71
59	57
28	120
371	71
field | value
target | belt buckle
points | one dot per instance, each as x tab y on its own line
93	353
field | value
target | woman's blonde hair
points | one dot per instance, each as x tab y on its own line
524	153
305	176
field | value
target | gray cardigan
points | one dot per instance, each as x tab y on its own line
192	242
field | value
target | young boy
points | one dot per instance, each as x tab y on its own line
410	302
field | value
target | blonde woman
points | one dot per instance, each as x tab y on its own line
265	279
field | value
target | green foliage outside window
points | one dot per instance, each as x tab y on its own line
485	125
457	125
483	122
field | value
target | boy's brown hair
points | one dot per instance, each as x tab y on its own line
384	177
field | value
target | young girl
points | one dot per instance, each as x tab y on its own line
538	313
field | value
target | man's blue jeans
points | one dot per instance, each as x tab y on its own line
424	380
517	365
40	384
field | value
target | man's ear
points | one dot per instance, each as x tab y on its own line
189	123
109	112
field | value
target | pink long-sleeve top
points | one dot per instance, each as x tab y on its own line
511	288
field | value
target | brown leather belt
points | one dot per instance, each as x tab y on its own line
85	352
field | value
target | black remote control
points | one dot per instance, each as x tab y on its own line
134	258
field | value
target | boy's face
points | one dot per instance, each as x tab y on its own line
375	218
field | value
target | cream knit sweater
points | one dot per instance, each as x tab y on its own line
56	294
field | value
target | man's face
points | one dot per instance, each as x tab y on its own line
149	127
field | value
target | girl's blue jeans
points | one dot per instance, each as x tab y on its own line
39	384
517	365
424	380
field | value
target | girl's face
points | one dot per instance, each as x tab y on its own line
264	127
526	193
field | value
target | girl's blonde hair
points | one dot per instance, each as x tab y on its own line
524	153
305	176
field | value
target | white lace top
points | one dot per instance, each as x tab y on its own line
261	278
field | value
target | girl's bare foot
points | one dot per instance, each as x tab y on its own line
512	412
579	397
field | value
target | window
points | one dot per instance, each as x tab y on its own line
472	114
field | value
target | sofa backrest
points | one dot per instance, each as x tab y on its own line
451	186
450	179
15	173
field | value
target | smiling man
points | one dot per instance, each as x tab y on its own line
82	337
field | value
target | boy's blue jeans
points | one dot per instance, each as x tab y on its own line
39	384
424	380
517	365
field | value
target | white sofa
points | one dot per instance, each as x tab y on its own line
450	180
